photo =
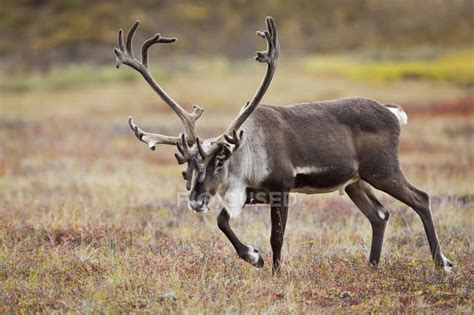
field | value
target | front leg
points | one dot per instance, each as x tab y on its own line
279	214
247	253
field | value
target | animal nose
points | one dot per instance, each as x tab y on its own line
196	205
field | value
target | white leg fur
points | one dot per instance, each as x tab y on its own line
447	265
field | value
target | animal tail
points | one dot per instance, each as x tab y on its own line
399	112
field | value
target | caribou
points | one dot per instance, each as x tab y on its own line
348	145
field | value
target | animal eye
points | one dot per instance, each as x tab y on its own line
219	165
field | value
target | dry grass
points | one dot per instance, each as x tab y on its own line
89	219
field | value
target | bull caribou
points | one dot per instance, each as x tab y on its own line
349	144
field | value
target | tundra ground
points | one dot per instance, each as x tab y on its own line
92	221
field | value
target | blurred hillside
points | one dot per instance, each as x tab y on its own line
36	34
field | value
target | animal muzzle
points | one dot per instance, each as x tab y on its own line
199	205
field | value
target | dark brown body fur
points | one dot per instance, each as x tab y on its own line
344	138
348	144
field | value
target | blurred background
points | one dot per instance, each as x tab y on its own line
46	34
58	80
74	179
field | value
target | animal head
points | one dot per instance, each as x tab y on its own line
206	169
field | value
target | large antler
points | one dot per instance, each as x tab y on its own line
224	145
270	57
125	56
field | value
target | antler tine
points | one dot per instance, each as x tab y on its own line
130	35
274	33
120	40
187	157
183	158
200	148
183	148
234	139
152	139
225	154
225	151
185	174
154	40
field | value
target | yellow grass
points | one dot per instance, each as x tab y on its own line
457	67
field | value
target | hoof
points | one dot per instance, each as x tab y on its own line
260	262
253	257
374	264
276	271
447	265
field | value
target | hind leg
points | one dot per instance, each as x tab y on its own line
363	197
398	187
